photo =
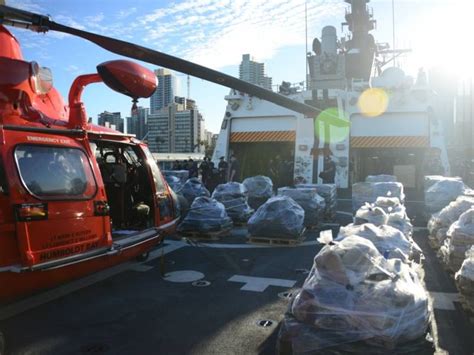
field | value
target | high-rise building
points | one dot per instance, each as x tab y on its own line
188	104
165	92
175	130
137	124
111	119
254	72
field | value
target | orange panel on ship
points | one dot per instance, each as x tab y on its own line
390	142
268	136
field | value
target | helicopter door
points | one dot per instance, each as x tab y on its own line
60	218
165	210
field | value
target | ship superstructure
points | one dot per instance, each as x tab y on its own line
374	119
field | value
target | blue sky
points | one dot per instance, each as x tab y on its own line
216	33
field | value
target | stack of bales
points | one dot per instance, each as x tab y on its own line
363	192
357	301
308	198
364	293
465	280
278	218
439	223
329	193
459	239
205	216
259	188
233	196
440	191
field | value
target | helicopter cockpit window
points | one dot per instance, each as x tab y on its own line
55	172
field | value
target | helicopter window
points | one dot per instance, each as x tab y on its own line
55	172
157	177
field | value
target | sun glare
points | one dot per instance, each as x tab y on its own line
444	39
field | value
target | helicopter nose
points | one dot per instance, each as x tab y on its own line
9	46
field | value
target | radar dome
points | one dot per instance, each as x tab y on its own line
390	78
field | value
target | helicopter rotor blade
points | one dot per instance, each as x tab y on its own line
42	23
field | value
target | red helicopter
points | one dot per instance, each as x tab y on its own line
76	197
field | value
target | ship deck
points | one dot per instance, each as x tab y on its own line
132	309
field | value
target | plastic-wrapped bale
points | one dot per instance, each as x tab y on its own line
329	193
233	196
363	192
194	188
381	178
455	209
447	216
430	180
465	279
397	215
174	182
279	217
182	175
389	241
308	198
355	299
389	204
460	238
260	189
442	193
370	214
206	215
437	237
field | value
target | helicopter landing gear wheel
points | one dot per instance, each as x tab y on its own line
140	258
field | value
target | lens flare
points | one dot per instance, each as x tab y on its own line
332	125
373	102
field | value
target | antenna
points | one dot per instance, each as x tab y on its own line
189	87
393	29
306	41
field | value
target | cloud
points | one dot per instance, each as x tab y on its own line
126	13
27	5
217	32
214	33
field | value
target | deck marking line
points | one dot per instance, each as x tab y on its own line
260	284
254	246
444	300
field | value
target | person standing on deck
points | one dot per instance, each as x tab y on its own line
223	170
204	168
234	171
329	173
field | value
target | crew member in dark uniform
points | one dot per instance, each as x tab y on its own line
204	167
213	179
329	173
223	170
234	171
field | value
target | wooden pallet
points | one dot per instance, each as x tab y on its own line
275	241
210	236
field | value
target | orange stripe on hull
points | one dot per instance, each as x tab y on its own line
268	136
390	142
